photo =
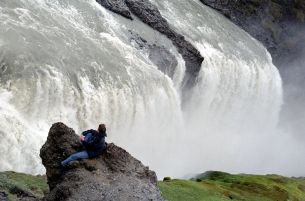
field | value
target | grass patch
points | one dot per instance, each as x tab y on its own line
220	186
14	184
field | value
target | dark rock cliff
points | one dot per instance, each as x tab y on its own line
278	24
117	6
115	175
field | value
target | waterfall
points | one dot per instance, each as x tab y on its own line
72	61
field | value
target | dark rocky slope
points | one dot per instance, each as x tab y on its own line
278	24
117	6
149	14
115	175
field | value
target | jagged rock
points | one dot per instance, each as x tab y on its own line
150	15
115	175
117	6
159	55
61	142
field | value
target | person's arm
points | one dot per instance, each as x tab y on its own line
86	132
88	139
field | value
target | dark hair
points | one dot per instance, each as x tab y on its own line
102	128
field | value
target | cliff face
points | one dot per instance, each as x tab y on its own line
278	24
115	175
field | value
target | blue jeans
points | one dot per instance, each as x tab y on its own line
74	157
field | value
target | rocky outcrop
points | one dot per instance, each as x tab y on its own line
115	175
150	15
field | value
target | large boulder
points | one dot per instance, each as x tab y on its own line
115	175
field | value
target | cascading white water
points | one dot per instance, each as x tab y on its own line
72	61
232	116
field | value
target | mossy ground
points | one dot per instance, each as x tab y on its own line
219	186
35	185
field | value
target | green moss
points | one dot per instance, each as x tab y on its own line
223	186
36	185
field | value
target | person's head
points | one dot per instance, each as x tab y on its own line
101	128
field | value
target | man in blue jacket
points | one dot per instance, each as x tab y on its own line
94	143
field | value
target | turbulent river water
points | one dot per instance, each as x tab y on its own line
72	61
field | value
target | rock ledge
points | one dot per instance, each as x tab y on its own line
115	175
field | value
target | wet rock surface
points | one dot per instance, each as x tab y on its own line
117	6
164	59
150	15
159	55
115	175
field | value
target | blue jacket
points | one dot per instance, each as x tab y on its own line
94	142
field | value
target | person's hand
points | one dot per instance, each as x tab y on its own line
82	138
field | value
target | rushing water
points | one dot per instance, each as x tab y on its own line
72	61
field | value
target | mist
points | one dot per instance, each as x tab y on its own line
293	110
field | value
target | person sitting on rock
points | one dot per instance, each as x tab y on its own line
94	143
